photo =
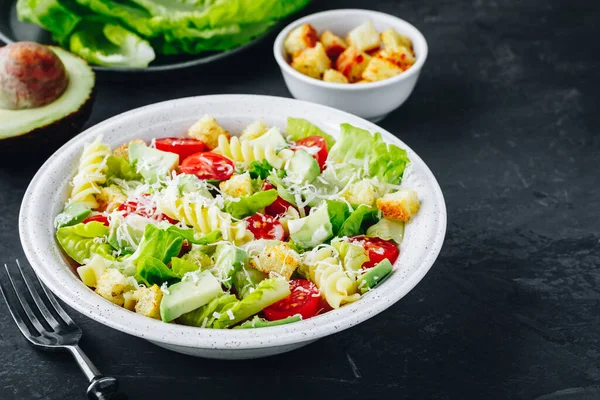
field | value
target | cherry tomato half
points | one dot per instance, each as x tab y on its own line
144	210
265	227
97	218
377	249
316	142
303	300
208	166
184	147
279	206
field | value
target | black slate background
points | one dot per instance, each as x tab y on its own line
504	115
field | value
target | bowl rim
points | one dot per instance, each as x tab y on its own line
285	66
89	303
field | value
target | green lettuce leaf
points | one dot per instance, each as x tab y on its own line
152	271
299	128
228	260
245	280
281	189
260	169
356	222
82	241
109	44
250	205
181	266
388	230
338	213
258	322
159	244
119	167
52	15
126	233
190	236
353	256
347	158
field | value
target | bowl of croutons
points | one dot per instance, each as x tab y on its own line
360	61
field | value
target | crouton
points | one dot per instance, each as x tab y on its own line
364	37
207	130
112	284
148	301
379	69
361	192
301	38
392	40
334	45
129	300
237	185
352	62
110	198
279	259
254	130
312	61
402	57
400	206
123	150
331	75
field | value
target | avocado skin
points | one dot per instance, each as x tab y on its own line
38	144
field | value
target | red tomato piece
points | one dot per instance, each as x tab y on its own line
265	227
303	300
97	218
208	166
184	147
317	142
279	206
144	210
377	249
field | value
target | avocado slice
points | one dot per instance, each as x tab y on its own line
375	275
43	129
313	229
151	163
73	214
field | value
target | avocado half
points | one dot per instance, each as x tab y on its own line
42	130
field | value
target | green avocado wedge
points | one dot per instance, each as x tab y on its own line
49	126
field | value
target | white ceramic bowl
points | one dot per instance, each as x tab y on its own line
47	194
372	101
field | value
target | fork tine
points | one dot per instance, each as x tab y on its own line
38	300
26	307
57	307
13	308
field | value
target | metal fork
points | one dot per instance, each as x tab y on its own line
54	331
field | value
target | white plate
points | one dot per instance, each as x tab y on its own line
47	193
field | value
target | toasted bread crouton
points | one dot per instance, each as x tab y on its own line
280	260
331	75
352	62
112	284
302	37
334	45
364	37
402	57
123	150
207	130
312	61
254	130
148	301
392	40
237	186
379	69
400	206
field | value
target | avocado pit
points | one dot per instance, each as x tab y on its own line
31	76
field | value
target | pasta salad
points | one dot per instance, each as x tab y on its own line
220	231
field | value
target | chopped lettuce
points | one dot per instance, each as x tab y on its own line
181	266
126	233
258	322
260	169
281	189
205	315
359	154
119	167
338	213
356	222
189	235
245	280
388	230
82	241
249	205
152	271
159	244
299	128
228	259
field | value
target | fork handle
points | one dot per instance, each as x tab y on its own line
101	387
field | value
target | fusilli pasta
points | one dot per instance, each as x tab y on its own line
324	269
90	173
245	152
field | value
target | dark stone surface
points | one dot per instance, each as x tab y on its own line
504	116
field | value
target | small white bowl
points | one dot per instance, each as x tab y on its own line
48	191
372	101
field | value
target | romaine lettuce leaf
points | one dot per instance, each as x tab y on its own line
258	322
356	222
119	167
249	205
245	280
151	270
281	189
228	259
260	169
338	213
51	15
181	266
159	244
388	230
82	241
205	315
299	128
358	153
189	235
